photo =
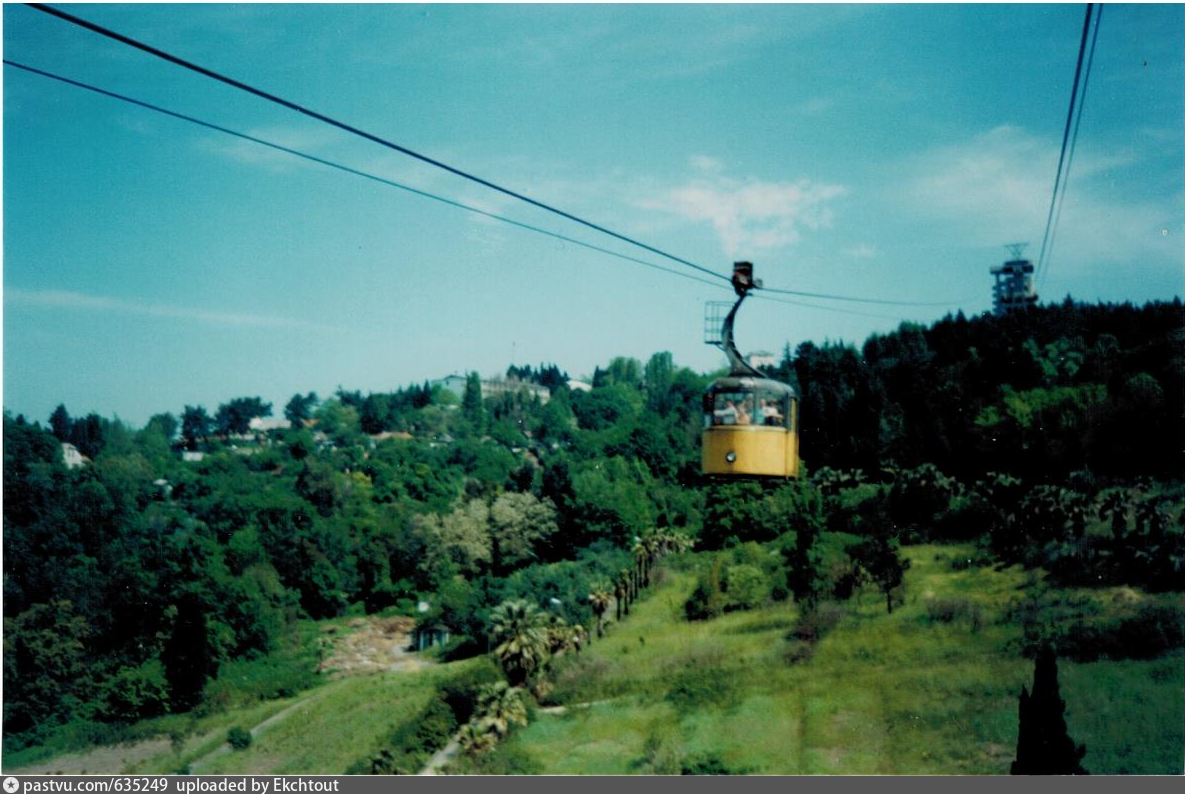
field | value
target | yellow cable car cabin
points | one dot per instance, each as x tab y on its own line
750	421
750	428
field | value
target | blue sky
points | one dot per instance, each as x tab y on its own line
885	151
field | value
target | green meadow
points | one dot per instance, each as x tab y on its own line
900	693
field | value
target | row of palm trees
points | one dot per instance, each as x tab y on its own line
623	590
527	640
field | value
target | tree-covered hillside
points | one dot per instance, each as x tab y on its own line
1039	394
133	579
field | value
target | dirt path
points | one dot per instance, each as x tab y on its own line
108	760
565	709
442	757
279	716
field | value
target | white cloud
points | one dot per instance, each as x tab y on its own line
996	187
997	178
306	139
750	215
66	299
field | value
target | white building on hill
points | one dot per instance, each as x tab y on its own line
492	388
72	457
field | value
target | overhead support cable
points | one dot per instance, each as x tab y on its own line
1061	202
156	52
416	191
880	301
111	34
758	296
1057	180
347	169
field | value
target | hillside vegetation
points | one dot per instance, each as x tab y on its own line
975	491
912	692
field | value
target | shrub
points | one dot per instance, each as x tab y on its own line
949	610
709	765
967	518
707	600
239	738
135	693
795	507
918	495
733	512
460	692
411	744
436	725
245	681
1145	632
461	647
812	624
745	587
1150	632
358	767
388	762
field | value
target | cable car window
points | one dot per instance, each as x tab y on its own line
732	408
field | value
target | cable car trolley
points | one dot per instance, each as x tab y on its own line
750	421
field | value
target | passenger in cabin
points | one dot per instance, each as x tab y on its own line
742	415
726	415
770	414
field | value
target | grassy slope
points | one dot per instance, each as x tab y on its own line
337	728
882	694
340	722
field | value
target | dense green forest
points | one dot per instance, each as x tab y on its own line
1052	438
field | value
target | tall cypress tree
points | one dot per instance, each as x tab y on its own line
187	656
471	404
59	423
1043	746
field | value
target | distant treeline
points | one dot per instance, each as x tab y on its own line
1038	394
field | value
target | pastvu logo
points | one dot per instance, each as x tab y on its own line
12	785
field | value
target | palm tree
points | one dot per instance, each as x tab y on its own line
676	543
579	637
499	707
653	545
626	588
599	601
476	739
640	560
519	632
559	636
1114	509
